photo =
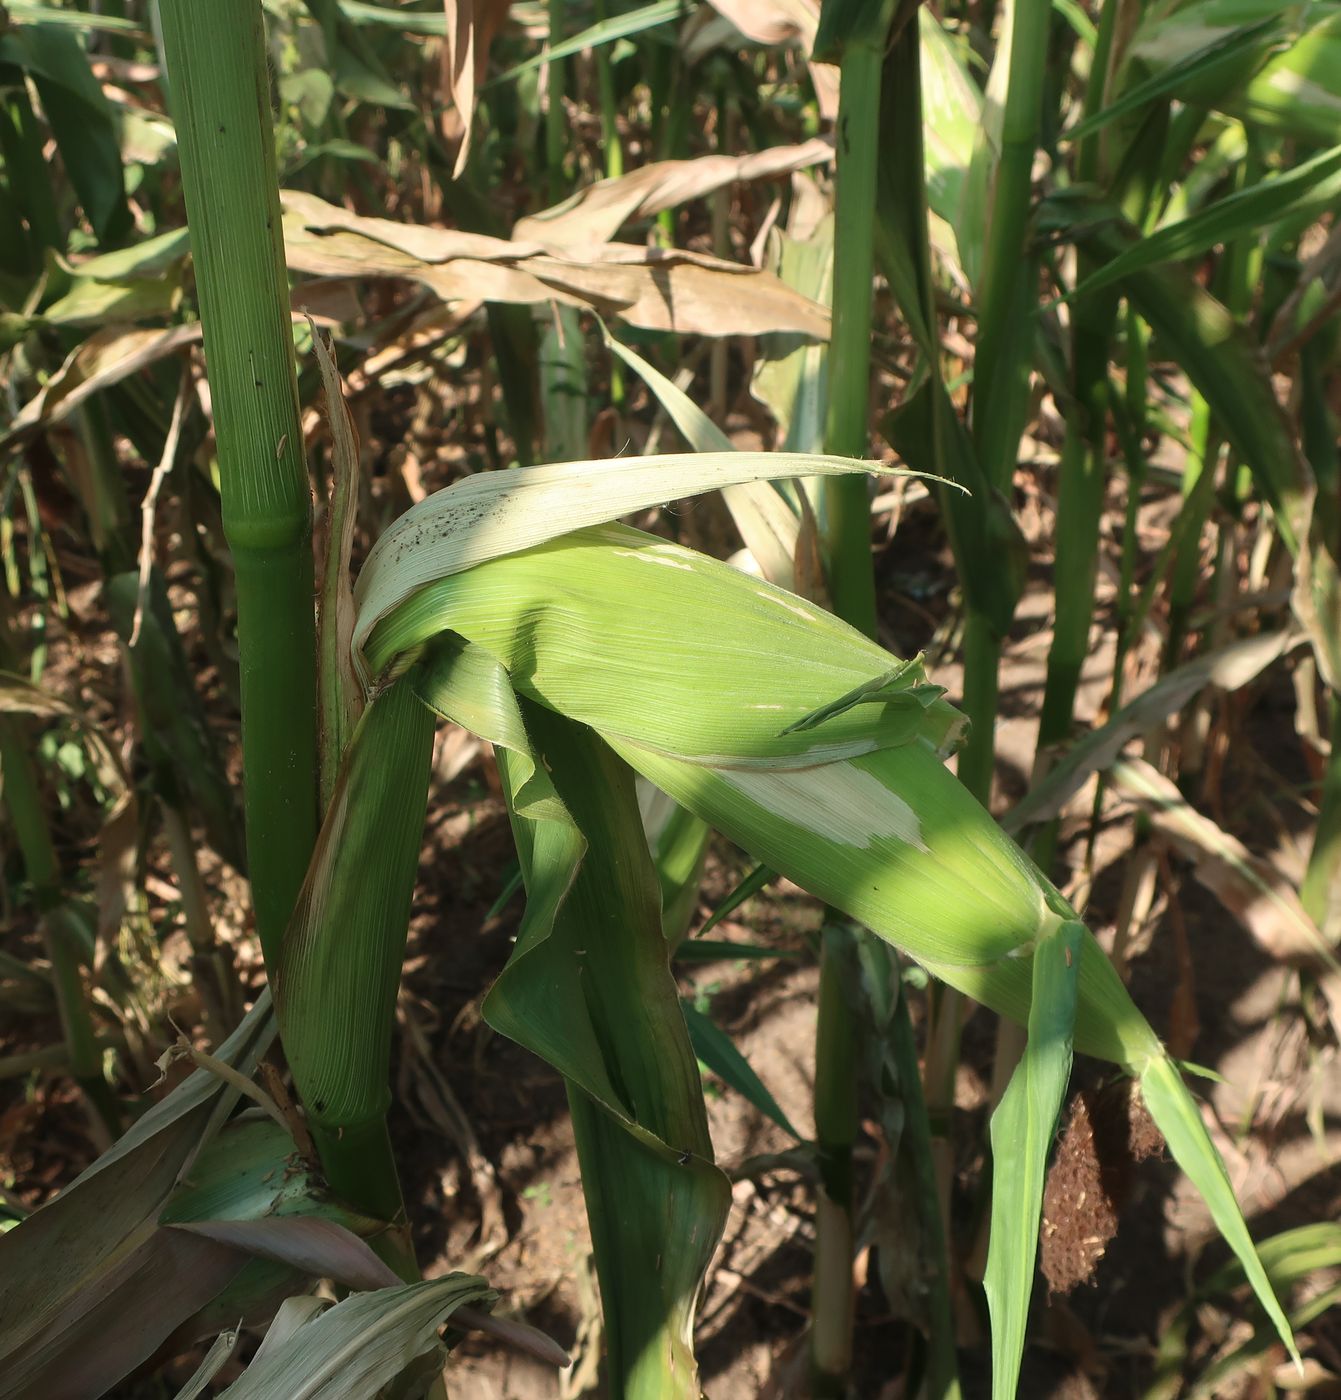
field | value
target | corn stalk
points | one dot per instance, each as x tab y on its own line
857	35
221	103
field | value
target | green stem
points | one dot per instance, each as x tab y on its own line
943	1367
1007	290
221	103
1199	473
846	525
720	205
846	510
360	1167
1084	463
605	79
836	1117
556	124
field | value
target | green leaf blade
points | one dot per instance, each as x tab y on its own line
1022	1132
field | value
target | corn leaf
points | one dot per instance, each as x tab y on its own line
81	120
1176	1115
1273	66
1229	668
1298	91
722	950
31	12
887	834
545	615
355	1348
659	289
95	1282
604	31
1304	190
313	1246
1288	1258
791	377
214	1360
339	698
718	1052
952	103
1022	1131
471	26
498	513
1254	891
1188	64
1212	349
397	17
175	732
107	357
679	845
596	212
776	536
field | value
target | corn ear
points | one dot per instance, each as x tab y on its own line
338	969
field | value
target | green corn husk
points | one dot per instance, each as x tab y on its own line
807	745
338	969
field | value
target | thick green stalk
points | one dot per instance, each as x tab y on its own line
1131	424
720	206
1240	274
942	1381
1079	506
846	525
221	104
982	661
1322	880
846	512
669	120
905	253
1007	291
